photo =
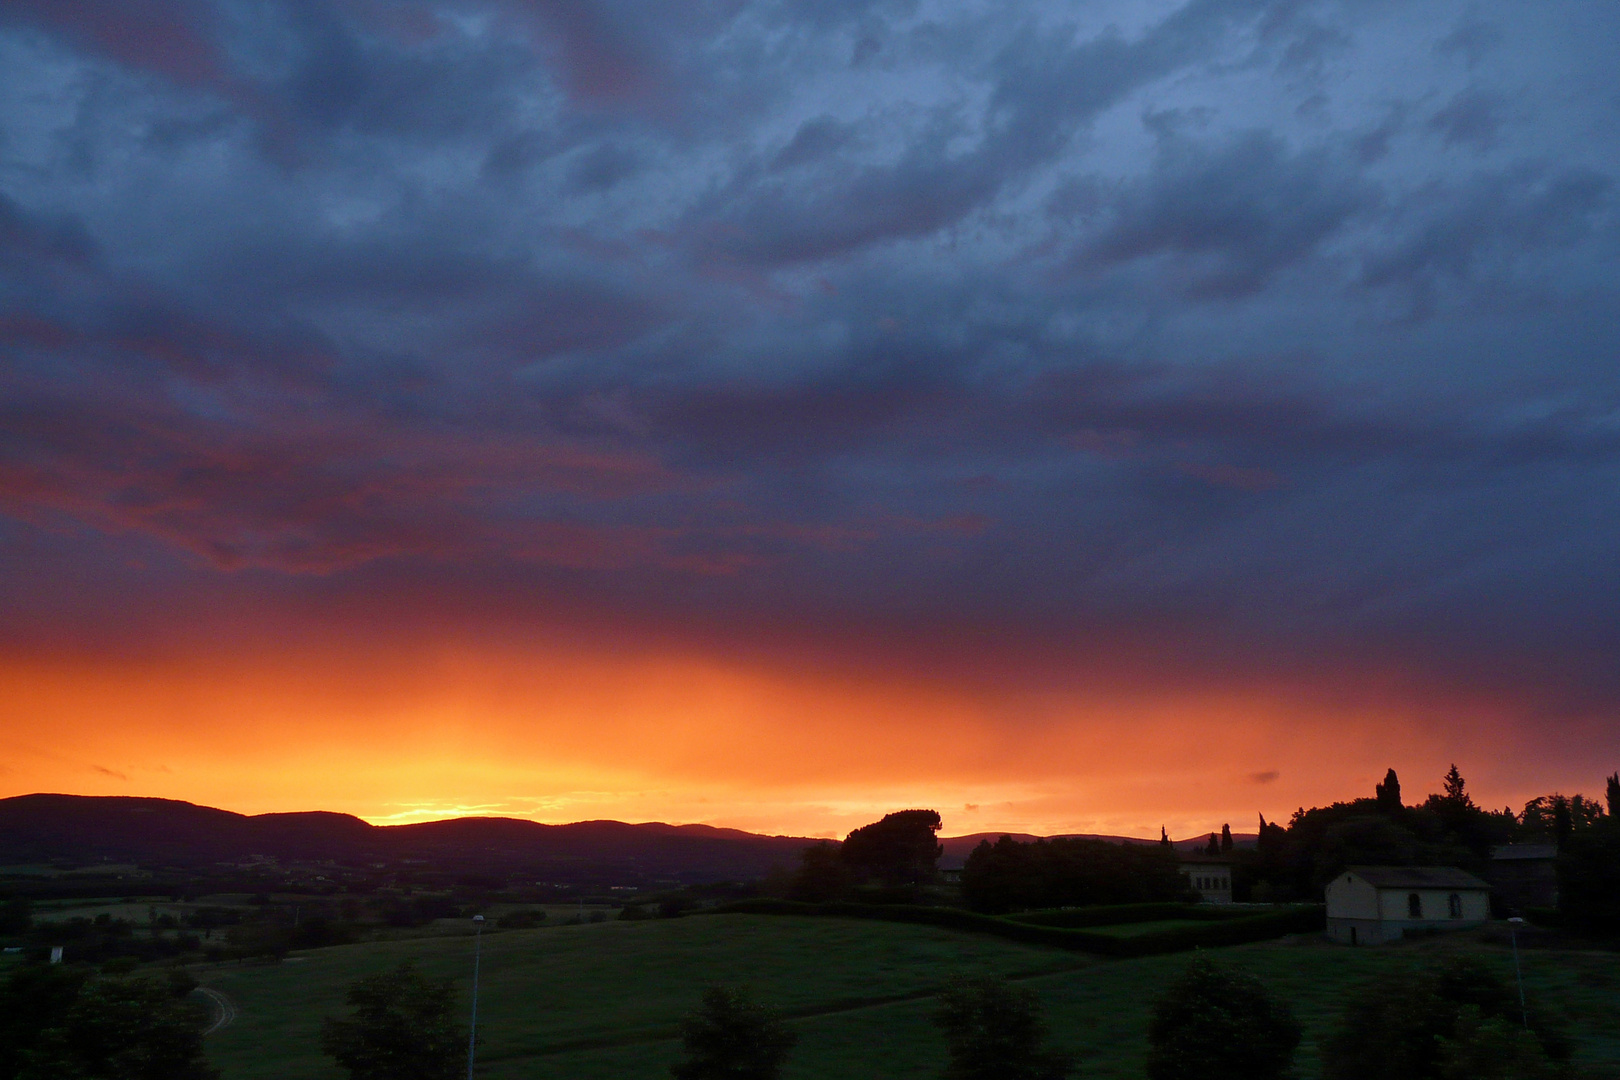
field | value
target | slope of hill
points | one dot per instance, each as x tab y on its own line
39	828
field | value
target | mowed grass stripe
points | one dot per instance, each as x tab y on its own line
608	983
605	1001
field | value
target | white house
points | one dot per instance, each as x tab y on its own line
1369	905
1210	875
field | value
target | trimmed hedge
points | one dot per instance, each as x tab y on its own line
1228	931
1119	914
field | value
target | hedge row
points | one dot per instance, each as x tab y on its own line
1119	914
1233	931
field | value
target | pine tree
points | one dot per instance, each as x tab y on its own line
1456	789
1164	837
1226	839
1389	792
1612	795
1213	847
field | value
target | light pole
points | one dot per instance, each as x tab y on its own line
1513	933
472	1033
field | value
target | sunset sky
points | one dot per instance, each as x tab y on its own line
1075	417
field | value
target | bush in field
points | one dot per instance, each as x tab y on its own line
58	1023
1494	1049
995	1031
1433	1026
403	1028
1215	1024
732	1038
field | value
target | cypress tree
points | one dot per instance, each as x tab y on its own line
1226	838
1389	792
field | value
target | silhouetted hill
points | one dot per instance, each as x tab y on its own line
37	828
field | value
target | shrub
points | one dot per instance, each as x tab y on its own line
1494	1049
1416	1025
995	1031
403	1028
1215	1024
730	1037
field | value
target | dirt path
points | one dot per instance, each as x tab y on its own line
224	1007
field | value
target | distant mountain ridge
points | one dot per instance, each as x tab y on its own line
42	827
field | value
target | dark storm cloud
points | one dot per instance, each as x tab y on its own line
1273	321
1235	215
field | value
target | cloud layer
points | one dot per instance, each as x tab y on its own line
1273	339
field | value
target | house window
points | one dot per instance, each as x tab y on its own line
1414	906
1454	906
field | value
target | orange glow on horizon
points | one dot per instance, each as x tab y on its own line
401	734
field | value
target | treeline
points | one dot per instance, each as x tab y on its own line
1067	872
1445	829
887	861
895	860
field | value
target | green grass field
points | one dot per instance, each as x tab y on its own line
602	1001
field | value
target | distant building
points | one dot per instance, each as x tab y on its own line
1525	875
1209	875
1370	905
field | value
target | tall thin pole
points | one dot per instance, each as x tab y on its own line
472	1032
1513	933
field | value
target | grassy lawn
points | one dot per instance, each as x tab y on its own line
601	1001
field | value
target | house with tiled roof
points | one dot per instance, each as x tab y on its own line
1371	905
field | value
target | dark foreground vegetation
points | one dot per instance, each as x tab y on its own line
122	1006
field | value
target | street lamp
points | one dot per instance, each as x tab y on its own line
472	1032
1513	933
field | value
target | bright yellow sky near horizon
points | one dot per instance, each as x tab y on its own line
414	732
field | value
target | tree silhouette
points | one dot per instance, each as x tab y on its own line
1389	792
1456	790
900	849
139	1028
1164	836
1612	795
1226	839
403	1028
730	1037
